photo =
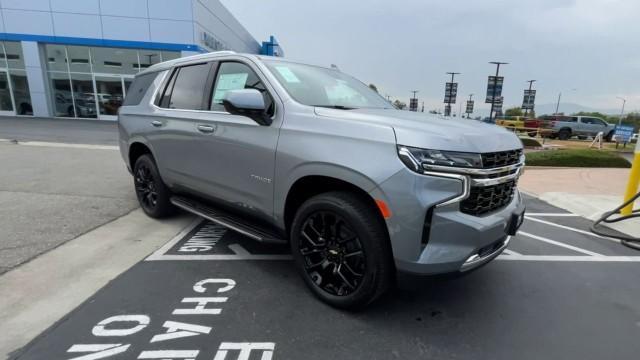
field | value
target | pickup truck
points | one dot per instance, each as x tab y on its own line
511	122
564	127
536	127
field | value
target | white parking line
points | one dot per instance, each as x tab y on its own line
166	247
571	229
219	257
557	243
511	252
240	253
553	214
562	258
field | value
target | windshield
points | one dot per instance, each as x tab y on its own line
317	86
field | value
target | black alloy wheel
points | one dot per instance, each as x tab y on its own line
332	252
146	187
341	248
153	195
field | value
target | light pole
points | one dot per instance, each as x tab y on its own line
453	74
526	111
495	83
558	103
624	101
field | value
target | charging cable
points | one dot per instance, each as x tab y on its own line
608	218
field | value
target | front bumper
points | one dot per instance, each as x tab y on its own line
428	232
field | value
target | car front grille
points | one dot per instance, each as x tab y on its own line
485	199
501	158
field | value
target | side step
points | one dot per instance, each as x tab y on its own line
228	220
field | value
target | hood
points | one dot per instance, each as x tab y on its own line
430	131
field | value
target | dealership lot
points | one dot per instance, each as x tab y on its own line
559	292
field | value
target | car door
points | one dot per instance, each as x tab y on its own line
600	125
591	126
179	106
235	154
584	126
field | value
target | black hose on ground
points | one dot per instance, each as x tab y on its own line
630	241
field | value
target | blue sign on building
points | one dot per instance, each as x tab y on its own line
623	133
271	48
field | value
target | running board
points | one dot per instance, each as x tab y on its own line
228	220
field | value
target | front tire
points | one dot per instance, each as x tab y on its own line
153	195
341	248
609	137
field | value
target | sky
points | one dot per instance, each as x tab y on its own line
586	49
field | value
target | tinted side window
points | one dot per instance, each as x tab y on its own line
236	76
188	87
139	88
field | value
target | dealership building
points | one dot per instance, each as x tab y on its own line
76	58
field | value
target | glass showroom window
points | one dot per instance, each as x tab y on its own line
14	87
91	82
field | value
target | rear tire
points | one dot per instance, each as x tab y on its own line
564	134
341	248
153	195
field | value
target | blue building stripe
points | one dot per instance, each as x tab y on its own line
66	40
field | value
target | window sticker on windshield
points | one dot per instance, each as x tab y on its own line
228	82
287	74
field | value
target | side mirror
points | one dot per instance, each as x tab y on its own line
246	102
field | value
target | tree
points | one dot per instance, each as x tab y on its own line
373	87
399	104
514	111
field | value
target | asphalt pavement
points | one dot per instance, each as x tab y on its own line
557	293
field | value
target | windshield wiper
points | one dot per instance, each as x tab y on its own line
339	107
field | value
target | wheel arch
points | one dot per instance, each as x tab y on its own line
310	185
137	149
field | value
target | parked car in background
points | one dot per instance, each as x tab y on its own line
634	138
564	127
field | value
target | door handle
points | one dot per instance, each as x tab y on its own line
156	123
207	129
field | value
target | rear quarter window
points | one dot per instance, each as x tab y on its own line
139	88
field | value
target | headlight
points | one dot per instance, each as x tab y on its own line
414	158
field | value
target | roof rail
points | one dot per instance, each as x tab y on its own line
223	52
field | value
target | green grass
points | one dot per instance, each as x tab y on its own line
576	158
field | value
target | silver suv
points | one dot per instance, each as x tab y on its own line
285	152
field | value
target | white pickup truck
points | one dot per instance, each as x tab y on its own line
564	127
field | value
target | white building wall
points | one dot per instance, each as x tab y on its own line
180	24
211	16
161	21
